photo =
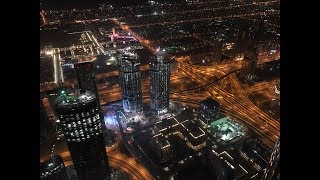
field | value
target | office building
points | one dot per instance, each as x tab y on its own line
223	168
273	169
250	61
160	83
196	136
130	82
256	151
162	148
252	53
52	96
87	82
86	77
242	42
208	110
53	169
259	36
80	122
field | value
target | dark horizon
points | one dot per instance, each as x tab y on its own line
70	4
161	89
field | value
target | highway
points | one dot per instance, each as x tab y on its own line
178	82
260	86
72	82
58	72
145	43
95	42
239	105
42	13
120	162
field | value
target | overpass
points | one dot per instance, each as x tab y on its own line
240	105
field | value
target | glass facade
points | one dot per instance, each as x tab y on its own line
130	82
80	122
160	83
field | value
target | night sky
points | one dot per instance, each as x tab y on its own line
67	4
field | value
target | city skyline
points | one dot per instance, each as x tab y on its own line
161	89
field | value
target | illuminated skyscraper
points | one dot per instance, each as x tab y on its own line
159	83
53	169
86	77
87	82
81	124
273	169
130	82
250	61
259	35
208	110
242	42
221	166
252	53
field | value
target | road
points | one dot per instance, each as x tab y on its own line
145	43
43	17
240	105
261	86
120	162
72	82
178	82
58	72
95	42
116	159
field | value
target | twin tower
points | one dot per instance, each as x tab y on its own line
130	82
80	118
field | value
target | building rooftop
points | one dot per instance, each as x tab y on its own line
256	146
161	141
129	60
166	123
226	129
51	165
195	131
69	100
181	118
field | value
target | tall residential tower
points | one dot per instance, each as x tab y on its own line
241	42
160	82
130	82
86	77
81	124
87	82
